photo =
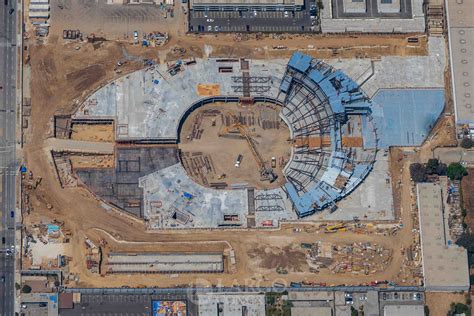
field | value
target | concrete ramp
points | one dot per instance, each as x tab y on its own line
68	145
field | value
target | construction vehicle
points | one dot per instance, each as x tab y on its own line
266	174
238	160
281	270
336	228
222	176
37	182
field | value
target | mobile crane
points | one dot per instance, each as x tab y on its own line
266	174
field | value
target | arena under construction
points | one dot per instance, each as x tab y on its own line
327	136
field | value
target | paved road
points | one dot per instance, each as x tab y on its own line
8	168
455	154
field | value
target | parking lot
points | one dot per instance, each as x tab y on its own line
113	21
401	297
34	309
253	21
120	305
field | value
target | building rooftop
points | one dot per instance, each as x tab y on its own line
311	311
461	42
249	304
378	17
445	267
246	2
403	310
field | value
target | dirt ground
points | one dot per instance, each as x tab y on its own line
467	183
92	161
288	257
63	74
223	151
119	23
93	132
439	303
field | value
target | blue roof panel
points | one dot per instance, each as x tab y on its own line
303	205
300	62
316	76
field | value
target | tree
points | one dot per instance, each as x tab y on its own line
320	5
459	308
418	172
466	143
354	312
442	169
26	289
427	310
466	240
432	166
468	299
286	307
456	171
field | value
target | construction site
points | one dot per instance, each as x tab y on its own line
247	143
226	160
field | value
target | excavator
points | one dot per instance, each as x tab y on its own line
266	174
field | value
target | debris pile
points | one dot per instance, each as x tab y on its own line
356	258
155	39
72	34
53	235
64	169
199	165
93	256
455	213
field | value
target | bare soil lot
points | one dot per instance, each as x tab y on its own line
222	144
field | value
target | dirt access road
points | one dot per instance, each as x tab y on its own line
118	22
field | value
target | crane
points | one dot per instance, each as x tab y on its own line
267	174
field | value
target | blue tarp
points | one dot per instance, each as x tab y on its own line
52	228
187	195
